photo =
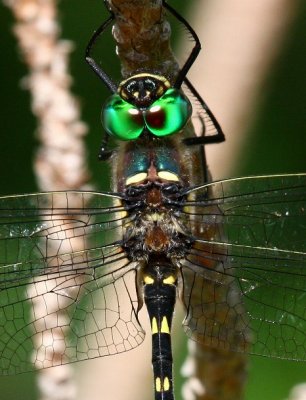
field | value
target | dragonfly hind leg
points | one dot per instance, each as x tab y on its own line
218	137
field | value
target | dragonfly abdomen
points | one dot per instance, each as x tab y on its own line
160	283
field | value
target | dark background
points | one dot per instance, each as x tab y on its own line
277	145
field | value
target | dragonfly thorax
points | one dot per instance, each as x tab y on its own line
155	234
156	229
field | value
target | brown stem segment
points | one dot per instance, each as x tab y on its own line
142	35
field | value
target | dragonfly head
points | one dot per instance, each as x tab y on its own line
145	103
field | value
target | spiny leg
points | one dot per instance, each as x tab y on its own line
218	137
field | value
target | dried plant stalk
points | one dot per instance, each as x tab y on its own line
60	161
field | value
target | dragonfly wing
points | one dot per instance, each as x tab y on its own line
263	211
245	272
61	272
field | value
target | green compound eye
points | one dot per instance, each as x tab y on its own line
168	114
121	119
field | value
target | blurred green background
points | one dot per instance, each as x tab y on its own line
277	144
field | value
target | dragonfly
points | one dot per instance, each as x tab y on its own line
232	251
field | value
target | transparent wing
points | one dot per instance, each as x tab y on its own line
244	275
61	271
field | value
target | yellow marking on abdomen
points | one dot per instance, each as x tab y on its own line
158	385
170	280
166	384
154	326
164	326
148	280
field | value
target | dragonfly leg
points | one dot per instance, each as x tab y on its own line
104	152
202	139
194	52
94	65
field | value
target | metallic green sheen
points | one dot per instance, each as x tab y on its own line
122	119
176	109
